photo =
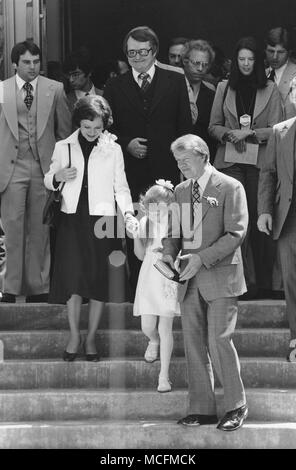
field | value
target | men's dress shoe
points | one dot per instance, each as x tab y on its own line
198	420
36	299
291	357
8	298
233	419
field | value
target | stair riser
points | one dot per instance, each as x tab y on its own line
139	436
130	374
30	406
50	344
263	314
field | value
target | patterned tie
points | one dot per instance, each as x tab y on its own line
145	81
195	197
29	95
271	76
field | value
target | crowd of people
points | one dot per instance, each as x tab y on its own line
198	157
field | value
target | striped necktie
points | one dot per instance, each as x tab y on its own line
29	95
145	81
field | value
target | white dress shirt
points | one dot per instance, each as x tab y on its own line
150	72
20	83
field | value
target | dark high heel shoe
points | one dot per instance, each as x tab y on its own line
92	357
70	357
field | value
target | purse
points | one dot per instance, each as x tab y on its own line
52	208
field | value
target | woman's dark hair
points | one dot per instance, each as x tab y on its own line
90	107
21	48
258	77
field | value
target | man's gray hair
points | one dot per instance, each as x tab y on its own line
198	45
191	142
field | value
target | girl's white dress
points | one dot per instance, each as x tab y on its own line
155	294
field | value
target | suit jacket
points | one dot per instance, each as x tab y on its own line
106	176
267	113
204	105
276	179
53	123
284	89
223	229
169	117
71	98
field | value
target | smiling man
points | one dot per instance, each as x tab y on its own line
216	206
33	115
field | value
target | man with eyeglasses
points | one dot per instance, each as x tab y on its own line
280	68
33	116
150	108
197	58
78	70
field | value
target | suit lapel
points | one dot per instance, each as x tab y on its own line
9	105
262	97
128	87
163	83
231	104
284	85
45	97
288	142
212	191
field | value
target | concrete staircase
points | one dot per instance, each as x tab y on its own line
47	403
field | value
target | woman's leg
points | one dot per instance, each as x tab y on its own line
148	324
165	329
73	309
95	312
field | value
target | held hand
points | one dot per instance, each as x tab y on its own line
264	223
240	146
132	225
137	147
168	259
66	174
193	266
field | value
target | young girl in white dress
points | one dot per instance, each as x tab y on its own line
156	296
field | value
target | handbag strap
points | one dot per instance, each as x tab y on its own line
69	166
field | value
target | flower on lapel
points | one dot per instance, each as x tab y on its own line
212	201
106	139
165	183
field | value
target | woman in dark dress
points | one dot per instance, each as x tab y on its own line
93	182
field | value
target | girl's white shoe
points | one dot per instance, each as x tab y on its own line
151	353
164	385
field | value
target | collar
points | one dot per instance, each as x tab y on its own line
279	73
80	93
20	82
150	72
204	179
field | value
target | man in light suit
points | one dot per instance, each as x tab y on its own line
208	225
281	69
277	207
33	115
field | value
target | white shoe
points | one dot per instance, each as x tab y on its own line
151	353
164	385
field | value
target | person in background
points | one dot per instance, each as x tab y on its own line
33	116
93	182
244	110
280	69
175	50
78	69
197	58
277	207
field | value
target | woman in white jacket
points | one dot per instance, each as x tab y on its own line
93	182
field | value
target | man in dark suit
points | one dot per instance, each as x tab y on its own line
33	116
277	206
208	224
150	109
197	57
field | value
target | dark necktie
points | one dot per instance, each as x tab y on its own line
271	75
195	197
145	81
29	95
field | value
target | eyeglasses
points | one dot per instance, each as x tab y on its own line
198	64
142	52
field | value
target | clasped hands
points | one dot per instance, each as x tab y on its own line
191	269
137	147
237	138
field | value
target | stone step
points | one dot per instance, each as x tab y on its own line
77	404
119	343
152	434
131	373
261	313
